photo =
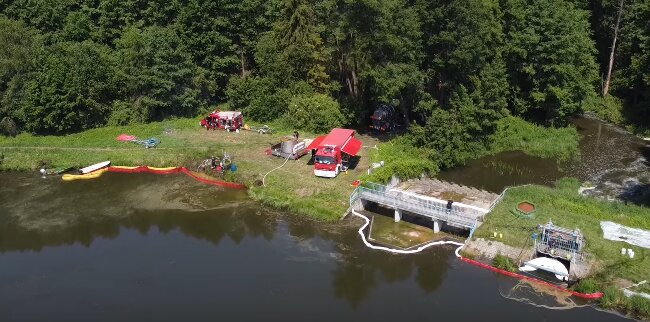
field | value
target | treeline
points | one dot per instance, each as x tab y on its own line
453	68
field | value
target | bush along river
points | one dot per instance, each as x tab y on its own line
612	161
144	247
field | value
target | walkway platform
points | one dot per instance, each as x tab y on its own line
450	191
468	216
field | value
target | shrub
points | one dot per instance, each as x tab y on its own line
260	98
613	299
515	134
8	127
315	113
609	108
586	286
504	263
639	306
124	113
402	160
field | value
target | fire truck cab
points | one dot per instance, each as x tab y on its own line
333	152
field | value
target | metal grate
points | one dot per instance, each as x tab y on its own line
560	242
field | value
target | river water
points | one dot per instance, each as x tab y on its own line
143	247
614	161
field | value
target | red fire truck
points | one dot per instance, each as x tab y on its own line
333	152
226	120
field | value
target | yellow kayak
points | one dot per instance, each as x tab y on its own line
92	175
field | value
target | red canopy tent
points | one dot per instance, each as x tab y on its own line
342	139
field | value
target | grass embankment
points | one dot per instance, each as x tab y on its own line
184	143
565	207
29	152
515	134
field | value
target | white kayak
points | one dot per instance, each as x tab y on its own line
547	264
95	167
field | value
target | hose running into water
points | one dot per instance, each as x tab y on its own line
401	251
264	177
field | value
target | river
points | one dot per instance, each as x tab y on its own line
611	159
144	247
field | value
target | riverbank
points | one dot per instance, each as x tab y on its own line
608	271
184	143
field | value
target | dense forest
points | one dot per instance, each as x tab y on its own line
453	68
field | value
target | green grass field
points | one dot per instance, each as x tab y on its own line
184	143
565	207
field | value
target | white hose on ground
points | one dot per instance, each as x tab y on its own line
264	177
400	251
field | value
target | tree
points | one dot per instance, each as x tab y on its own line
18	43
156	76
632	81
48	16
467	88
261	98
550	59
294	49
317	113
613	49
365	34
249	20
69	90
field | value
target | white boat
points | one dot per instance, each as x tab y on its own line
95	167
547	264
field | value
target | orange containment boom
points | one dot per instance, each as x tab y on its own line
588	296
194	175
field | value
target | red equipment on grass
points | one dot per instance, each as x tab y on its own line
226	120
334	152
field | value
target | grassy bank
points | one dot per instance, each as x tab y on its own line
613	110
292	187
515	134
565	207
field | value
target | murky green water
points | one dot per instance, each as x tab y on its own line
141	247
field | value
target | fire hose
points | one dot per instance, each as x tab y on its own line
285	162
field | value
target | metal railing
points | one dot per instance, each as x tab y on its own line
374	186
421	206
354	196
503	193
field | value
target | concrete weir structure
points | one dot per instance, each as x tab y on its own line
441	202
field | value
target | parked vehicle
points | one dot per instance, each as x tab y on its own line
383	119
333	152
291	148
226	120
